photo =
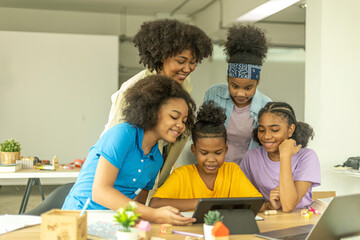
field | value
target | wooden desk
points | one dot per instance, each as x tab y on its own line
33	176
271	222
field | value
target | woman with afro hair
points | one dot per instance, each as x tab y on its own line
246	49
170	48
122	166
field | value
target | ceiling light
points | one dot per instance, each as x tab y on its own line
265	10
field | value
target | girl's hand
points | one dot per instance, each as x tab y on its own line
275	198
288	147
170	215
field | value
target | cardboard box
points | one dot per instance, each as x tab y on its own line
63	225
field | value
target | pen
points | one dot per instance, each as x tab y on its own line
188	234
85	206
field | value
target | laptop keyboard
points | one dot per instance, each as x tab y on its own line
296	237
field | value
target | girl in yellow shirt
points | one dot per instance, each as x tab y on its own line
211	177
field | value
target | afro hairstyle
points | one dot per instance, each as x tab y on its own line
160	39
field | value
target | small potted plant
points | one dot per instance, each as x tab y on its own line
210	219
126	218
10	151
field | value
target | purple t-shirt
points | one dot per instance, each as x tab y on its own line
264	174
239	131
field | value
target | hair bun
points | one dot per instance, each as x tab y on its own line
246	39
211	113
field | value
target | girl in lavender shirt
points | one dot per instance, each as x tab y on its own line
282	169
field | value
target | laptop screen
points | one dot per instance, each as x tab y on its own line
340	219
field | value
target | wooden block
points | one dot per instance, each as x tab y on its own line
59	224
220	238
166	228
304	211
143	235
270	212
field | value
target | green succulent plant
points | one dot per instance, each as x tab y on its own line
10	145
126	217
212	217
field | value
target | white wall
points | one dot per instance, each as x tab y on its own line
281	80
55	91
332	87
275	74
33	20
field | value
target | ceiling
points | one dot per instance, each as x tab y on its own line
293	14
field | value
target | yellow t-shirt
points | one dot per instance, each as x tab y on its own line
186	183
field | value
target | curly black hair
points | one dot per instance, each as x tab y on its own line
209	122
145	98
246	44
160	39
303	131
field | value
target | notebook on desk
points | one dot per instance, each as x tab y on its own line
340	219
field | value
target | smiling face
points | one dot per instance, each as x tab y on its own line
272	131
172	117
179	66
242	90
210	154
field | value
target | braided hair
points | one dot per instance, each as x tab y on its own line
209	122
303	131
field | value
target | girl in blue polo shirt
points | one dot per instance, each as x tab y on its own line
123	164
246	49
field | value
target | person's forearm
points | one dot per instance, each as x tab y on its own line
181	204
287	188
113	199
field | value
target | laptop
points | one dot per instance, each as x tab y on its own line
340	219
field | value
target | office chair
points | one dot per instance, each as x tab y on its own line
55	200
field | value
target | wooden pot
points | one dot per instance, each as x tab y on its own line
9	157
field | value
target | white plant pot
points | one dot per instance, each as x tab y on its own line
207	231
133	235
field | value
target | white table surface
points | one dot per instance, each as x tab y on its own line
47	177
347	171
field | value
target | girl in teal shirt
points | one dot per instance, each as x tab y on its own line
123	164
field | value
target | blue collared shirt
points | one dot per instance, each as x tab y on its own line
121	145
220	94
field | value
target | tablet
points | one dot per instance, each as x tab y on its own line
206	204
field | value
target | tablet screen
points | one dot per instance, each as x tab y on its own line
210	204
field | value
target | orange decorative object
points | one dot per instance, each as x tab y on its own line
220	231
